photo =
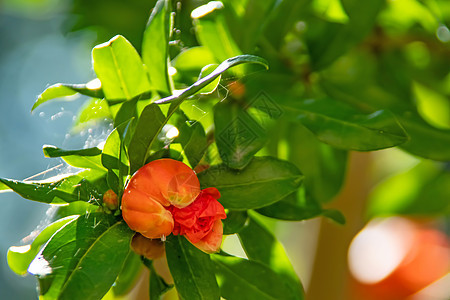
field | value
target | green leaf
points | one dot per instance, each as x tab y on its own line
191	269
210	88
260	245
73	264
54	190
193	59
238	135
234	222
60	90
95	110
150	123
425	140
120	69
155	46
193	139
264	181
20	257
420	191
212	31
84	158
298	207
327	41
343	127
128	275
201	83
114	158
244	279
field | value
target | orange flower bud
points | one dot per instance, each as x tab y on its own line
110	199
149	248
201	221
158	184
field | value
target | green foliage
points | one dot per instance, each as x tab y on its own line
344	76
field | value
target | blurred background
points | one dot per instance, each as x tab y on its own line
395	244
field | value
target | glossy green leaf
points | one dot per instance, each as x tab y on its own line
191	269
155	46
343	127
20	257
120	69
70	260
60	90
234	222
84	158
129	274
150	123
264	181
55	190
193	139
260	245
238	134
243	279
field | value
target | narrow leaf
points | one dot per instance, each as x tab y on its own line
129	274
60	90
84	158
155	46
192	270
264	181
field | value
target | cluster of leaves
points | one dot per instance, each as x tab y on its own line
304	114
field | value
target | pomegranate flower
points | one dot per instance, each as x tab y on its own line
201	221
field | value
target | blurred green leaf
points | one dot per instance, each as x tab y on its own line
327	41
120	69
343	127
245	279
60	90
157	286
423	190
212	31
191	269
155	46
298	207
260	245
20	257
70	259
129	274
234	222
193	59
238	135
264	181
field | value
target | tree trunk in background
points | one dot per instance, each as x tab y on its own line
330	275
